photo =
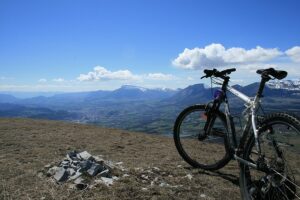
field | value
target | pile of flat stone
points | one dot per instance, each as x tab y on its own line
80	169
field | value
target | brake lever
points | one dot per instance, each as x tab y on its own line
203	77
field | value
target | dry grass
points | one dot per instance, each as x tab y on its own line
26	146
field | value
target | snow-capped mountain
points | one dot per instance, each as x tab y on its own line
130	92
286	84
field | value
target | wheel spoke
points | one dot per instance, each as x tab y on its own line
280	153
291	190
284	194
286	178
201	148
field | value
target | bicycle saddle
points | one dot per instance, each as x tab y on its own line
279	74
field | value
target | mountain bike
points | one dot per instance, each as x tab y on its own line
268	146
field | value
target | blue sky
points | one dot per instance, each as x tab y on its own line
72	45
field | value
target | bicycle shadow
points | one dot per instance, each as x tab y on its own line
229	177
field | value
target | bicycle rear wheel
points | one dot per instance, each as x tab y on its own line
201	150
279	138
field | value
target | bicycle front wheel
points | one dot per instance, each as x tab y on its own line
206	150
279	138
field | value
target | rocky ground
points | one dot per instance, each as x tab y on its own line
151	167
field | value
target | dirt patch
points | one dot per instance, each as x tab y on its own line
154	169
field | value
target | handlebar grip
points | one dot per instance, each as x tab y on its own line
228	71
209	72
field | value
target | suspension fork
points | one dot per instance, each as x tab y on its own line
231	128
211	117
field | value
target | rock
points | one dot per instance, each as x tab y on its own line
94	169
61	175
75	165
65	164
79	180
40	175
145	177
189	176
163	184
154	181
107	181
149	171
109	165
52	171
105	173
75	176
85	165
202	195
126	175
85	155
48	166
72	155
72	186
98	159
71	171
156	169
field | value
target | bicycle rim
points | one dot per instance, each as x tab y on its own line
280	144
206	151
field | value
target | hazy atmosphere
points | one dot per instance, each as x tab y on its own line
101	45
102	99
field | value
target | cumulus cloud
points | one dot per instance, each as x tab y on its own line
160	76
42	80
294	53
215	55
101	73
189	78
59	80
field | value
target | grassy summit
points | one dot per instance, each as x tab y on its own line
154	167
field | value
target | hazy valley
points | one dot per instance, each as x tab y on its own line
135	108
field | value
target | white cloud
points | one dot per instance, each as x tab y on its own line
42	80
2	78
160	76
101	73
215	55
59	80
294	53
190	78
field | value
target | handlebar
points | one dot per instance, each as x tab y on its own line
216	73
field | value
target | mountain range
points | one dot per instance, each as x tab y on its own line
135	108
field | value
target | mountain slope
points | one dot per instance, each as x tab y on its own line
14	110
153	168
6	98
129	93
191	95
139	109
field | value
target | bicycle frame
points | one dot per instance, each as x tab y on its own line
252	105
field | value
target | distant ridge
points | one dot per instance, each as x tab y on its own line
136	108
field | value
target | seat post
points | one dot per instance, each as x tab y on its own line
264	79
